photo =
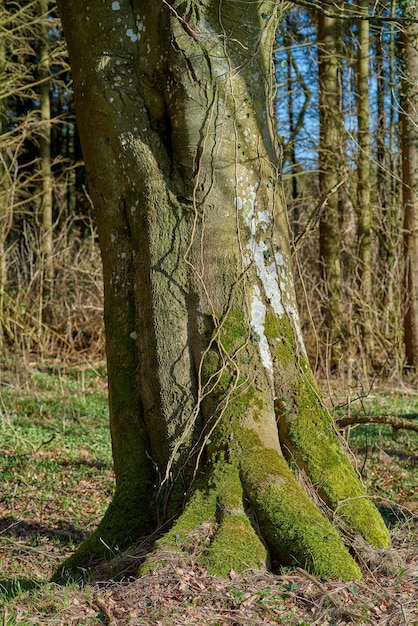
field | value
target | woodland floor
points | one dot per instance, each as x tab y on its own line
56	481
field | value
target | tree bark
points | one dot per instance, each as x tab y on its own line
409	141
45	152
209	384
329	149
5	209
364	207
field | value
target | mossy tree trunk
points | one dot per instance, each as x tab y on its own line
210	390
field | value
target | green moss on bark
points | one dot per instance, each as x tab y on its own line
200	509
235	547
224	375
311	438
235	544
293	527
127	518
296	531
278	329
233	330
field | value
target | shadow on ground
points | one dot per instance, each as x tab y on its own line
18	529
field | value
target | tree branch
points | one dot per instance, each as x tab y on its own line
354	15
397	423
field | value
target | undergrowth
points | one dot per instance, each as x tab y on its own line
57	480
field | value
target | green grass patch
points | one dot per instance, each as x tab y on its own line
388	466
55	468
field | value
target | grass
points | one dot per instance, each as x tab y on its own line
57	480
55	467
388	466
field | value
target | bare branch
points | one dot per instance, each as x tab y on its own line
354	15
397	423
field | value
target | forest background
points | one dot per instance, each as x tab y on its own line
347	119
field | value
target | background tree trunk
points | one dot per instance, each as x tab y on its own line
45	151
364	207
209	384
329	177
5	209
410	181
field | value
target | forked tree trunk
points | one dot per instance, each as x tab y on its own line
209	384
409	142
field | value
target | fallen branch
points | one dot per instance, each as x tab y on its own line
397	423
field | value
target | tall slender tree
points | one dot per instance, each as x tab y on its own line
45	149
329	177
364	205
409	141
4	180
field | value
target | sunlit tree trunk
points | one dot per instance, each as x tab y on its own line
5	182
45	151
364	206
210	390
410	181
329	150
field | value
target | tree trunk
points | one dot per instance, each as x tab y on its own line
364	207
291	144
5	209
329	149
409	141
45	152
209	384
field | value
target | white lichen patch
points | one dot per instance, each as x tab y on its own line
132	36
259	252
103	62
279	259
133	335
115	6
258	316
126	139
270	266
238	203
263	218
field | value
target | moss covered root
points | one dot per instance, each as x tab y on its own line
293	528
311	440
234	544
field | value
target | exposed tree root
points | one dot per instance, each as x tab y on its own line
293	529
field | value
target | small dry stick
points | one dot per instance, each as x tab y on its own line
102	606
